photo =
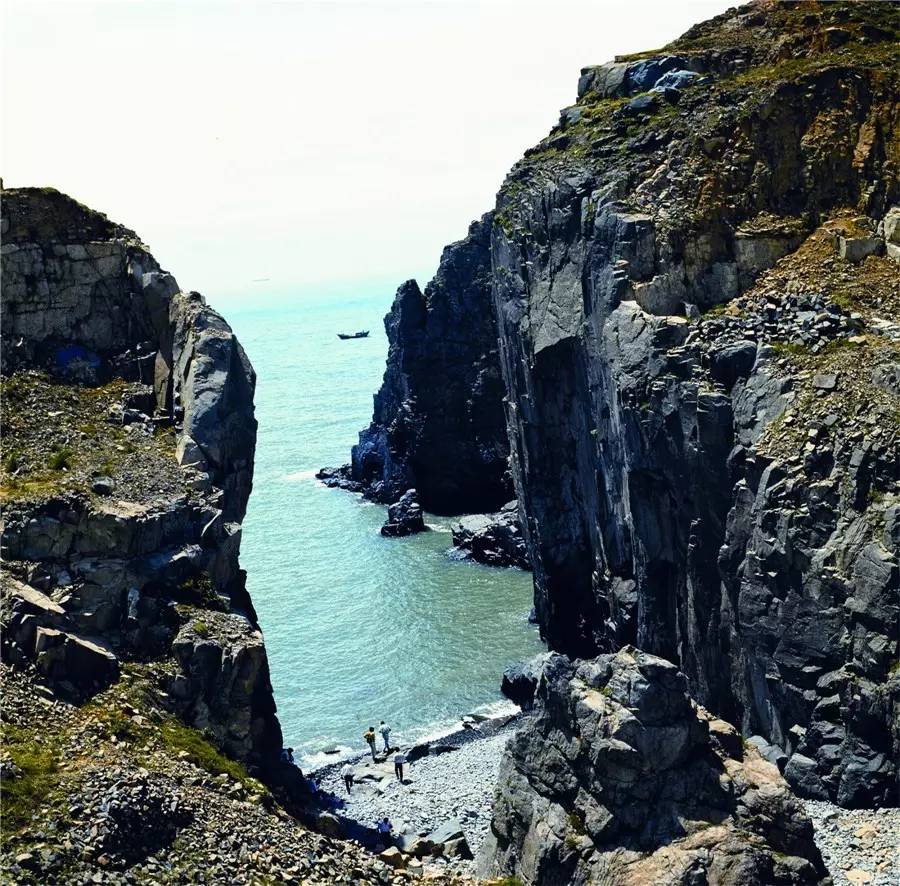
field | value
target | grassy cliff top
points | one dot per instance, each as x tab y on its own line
45	215
60	438
757	66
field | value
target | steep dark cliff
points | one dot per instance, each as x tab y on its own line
438	421
139	737
695	293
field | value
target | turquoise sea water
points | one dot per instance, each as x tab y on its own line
358	628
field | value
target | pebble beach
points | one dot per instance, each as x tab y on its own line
443	785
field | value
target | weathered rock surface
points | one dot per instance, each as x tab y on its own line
438	421
621	778
97	572
493	539
126	794
520	681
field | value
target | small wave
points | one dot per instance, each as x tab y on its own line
302	475
437	527
500	708
317	759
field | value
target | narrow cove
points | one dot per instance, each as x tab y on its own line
358	628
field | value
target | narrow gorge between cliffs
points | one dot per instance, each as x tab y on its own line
358	627
630	457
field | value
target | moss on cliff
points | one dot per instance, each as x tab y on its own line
754	61
30	776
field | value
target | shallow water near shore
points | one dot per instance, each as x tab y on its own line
358	628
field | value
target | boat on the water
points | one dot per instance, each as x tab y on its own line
364	333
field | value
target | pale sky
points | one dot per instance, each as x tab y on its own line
305	142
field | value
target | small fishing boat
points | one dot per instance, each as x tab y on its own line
361	334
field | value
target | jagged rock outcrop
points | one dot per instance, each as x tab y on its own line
520	680
493	539
404	517
123	506
622	779
438	421
695	291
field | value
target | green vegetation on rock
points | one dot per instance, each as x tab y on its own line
30	779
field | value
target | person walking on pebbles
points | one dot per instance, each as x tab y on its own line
385	731
399	761
347	775
369	736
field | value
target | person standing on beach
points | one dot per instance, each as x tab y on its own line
399	761
369	736
347	775
385	731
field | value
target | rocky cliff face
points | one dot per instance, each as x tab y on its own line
128	458
695	293
438	423
621	779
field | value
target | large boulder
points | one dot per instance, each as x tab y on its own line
520	681
74	663
405	516
622	778
493	539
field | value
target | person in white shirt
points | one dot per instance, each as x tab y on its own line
347	775
385	731
399	761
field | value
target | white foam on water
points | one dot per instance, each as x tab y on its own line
501	708
309	762
302	475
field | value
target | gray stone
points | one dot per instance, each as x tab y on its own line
103	485
61	657
825	381
892	226
447	831
520	681
493	539
855	249
617	759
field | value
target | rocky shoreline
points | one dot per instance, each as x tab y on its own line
456	782
859	846
678	354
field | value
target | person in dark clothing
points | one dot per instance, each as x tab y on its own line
369	736
384	829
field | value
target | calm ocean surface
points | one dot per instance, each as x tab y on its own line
359	628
